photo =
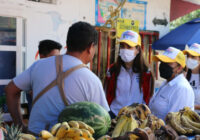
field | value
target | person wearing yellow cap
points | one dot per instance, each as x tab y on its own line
129	80
175	93
193	73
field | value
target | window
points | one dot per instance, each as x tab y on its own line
12	52
7	31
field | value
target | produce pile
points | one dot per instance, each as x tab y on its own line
185	122
89	121
136	122
135	116
72	130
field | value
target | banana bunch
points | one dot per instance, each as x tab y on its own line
24	136
139	111
152	122
125	123
72	130
185	122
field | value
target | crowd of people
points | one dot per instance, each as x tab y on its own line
129	80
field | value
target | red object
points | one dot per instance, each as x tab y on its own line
36	55
180	8
156	68
150	48
111	82
142	45
99	54
108	52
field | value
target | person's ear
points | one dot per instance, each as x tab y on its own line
90	48
179	69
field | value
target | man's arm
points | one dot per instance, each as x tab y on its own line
13	103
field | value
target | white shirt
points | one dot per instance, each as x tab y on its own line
172	96
194	82
80	85
127	91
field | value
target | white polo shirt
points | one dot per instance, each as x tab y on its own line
194	82
80	85
172	96
127	91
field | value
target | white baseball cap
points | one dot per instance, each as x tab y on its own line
193	50
171	55
131	38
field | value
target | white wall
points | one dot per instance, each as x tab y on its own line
159	9
46	21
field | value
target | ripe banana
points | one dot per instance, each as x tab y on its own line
120	124
146	109
90	129
73	132
86	133
174	121
132	123
125	127
73	124
140	113
189	131
106	137
55	128
53	138
188	125
27	136
123	110
45	134
188	111
133	137
82	125
143	124
79	138
143	111
66	138
195	124
62	130
160	122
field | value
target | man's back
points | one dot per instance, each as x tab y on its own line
80	85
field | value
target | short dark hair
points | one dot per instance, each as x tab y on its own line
80	36
46	46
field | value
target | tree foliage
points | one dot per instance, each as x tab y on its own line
179	21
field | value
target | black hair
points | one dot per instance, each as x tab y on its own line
139	66
189	74
80	36
46	46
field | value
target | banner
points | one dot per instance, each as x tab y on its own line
132	9
126	24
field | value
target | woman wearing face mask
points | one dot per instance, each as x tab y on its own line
175	93
193	73
128	80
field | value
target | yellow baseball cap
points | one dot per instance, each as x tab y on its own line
193	50
131	38
171	55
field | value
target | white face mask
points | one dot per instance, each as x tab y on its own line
192	63
127	55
